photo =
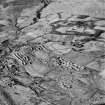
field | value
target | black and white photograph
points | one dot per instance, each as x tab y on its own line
52	52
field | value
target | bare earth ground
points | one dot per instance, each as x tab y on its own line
52	52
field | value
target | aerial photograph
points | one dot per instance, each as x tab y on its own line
52	52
